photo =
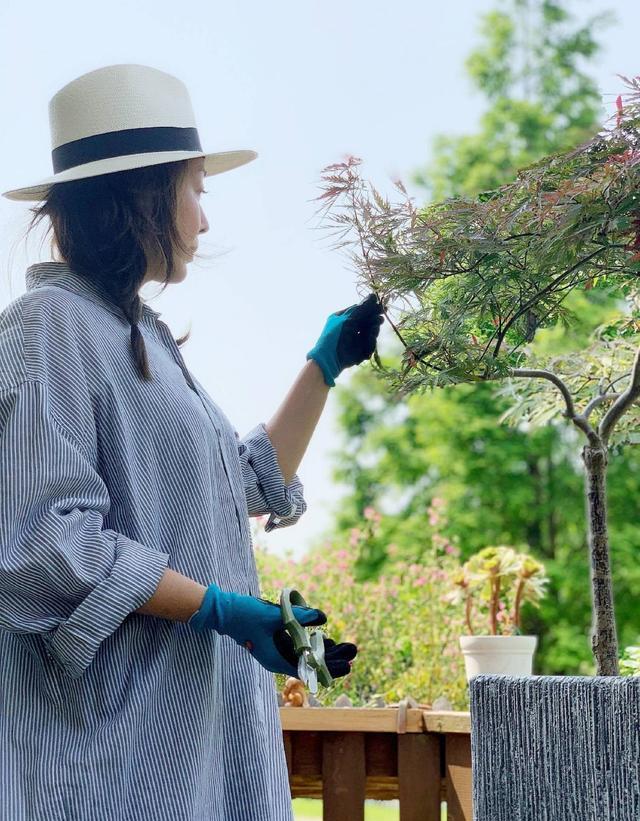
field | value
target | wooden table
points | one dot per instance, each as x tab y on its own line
344	755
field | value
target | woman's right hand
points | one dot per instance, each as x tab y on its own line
257	625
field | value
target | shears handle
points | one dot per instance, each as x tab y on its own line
298	633
311	644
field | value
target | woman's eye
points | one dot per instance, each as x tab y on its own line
204	192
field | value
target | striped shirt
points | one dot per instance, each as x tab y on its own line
107	480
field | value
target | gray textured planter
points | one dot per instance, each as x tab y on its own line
555	748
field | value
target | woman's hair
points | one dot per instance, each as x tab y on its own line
112	228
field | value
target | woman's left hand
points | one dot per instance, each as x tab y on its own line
348	338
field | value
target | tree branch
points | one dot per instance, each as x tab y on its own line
598	400
617	379
539	374
578	419
623	402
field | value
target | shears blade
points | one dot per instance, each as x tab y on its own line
307	674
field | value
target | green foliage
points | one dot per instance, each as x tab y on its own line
630	661
530	67
501	483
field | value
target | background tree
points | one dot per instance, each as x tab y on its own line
530	67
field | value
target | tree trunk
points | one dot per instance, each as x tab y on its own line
604	640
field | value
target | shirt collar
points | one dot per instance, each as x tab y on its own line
59	273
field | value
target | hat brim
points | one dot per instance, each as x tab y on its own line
216	163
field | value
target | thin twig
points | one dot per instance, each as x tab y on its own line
537	296
617	379
598	400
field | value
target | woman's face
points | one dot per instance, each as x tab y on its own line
191	219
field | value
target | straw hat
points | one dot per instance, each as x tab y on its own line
121	117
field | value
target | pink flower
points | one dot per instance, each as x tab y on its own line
355	536
433	519
419	582
453	551
369	513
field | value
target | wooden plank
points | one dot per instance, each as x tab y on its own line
458	777
356	719
343	776
447	721
288	754
306	758
306	786
381	754
377	786
419	777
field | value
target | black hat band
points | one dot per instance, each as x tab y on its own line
122	143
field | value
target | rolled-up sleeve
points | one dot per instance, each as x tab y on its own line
264	484
61	574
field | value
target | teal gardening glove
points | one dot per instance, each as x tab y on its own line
257	625
348	338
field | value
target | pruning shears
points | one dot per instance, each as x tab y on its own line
308	643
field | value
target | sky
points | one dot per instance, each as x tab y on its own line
302	83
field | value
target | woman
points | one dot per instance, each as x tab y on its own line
136	654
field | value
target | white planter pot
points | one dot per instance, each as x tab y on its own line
500	655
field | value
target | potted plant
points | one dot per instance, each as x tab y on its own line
504	580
